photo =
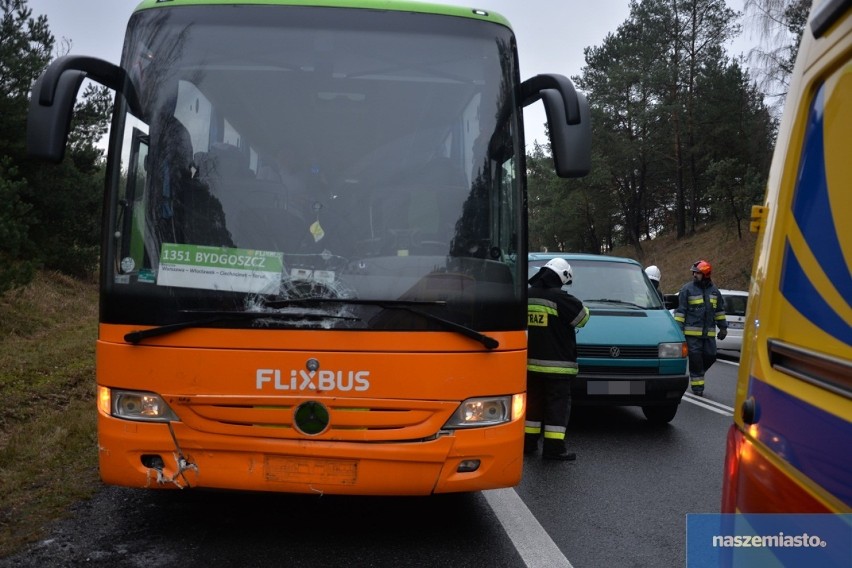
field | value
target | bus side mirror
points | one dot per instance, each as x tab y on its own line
53	97
568	120
48	124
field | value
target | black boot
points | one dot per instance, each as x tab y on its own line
555	450
564	455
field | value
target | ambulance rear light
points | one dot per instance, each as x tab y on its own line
733	448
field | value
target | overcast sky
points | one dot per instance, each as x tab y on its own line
551	34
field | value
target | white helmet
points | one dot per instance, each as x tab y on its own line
653	273
561	267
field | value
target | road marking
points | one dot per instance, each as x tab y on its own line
734	363
717	407
530	539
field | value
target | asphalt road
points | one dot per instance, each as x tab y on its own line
622	503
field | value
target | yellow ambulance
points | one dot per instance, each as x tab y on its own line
790	447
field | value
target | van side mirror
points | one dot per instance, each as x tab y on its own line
569	122
671	301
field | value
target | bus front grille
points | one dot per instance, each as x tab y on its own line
356	420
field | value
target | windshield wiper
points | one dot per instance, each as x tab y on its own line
406	305
621	302
219	317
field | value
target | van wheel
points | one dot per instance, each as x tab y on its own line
660	414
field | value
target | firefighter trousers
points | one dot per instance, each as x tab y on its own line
548	410
702	355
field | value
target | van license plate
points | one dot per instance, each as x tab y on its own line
616	387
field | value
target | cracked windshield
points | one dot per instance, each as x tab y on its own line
291	167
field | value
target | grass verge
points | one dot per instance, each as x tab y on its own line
48	445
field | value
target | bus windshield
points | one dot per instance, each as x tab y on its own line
294	153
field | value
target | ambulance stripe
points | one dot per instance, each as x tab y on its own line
815	442
812	210
797	288
812	203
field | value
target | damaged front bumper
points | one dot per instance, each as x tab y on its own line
173	455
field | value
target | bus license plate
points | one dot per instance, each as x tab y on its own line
292	469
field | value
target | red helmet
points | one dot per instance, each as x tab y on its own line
703	267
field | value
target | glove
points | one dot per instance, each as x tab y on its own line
722	333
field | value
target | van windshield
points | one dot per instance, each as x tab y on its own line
608	283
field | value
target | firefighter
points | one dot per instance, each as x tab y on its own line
654	275
553	315
700	310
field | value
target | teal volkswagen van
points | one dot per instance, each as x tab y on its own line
631	353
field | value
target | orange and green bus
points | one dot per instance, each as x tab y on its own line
313	274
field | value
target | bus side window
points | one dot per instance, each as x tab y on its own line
130	217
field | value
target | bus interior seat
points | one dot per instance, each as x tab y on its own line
221	167
421	218
270	229
198	216
227	161
256	208
174	148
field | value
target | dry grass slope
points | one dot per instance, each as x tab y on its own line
48	448
730	256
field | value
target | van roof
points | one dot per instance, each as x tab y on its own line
569	256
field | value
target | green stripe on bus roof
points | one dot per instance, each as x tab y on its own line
391	5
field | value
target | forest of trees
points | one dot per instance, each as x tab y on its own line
49	214
682	136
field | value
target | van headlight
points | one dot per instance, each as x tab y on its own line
672	350
486	411
134	405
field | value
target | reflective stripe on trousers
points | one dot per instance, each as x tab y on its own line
550	432
554	432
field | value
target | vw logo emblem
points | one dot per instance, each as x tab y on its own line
614	351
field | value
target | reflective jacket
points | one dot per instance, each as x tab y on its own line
700	309
552	317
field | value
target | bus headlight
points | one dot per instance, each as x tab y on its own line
484	411
134	405
672	350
